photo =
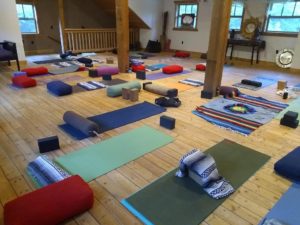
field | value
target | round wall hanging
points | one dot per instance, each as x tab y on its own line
284	58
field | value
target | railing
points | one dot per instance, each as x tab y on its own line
94	40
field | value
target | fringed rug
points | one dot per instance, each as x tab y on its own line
243	114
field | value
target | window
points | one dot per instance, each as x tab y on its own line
236	16
283	17
186	15
27	18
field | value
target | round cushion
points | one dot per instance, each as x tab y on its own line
229	91
34	71
201	67
172	69
107	70
59	88
182	54
138	68
23	81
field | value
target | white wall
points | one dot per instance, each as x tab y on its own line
151	12
198	41
296	60
9	25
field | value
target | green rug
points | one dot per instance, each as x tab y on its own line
98	159
293	106
180	201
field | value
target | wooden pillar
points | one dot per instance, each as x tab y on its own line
122	20
61	21
217	47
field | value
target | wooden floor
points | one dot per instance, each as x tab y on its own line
26	115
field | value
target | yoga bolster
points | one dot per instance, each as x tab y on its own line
34	71
251	82
80	123
50	205
116	90
161	90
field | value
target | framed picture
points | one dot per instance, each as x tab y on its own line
187	20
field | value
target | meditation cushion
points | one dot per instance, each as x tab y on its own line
59	88
80	123
50	205
34	71
44	172
201	67
136	68
229	91
172	69
23	82
289	165
107	70
182	54
160	90
116	90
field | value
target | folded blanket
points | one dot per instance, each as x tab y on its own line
44	172
202	169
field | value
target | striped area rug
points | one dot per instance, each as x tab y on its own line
238	123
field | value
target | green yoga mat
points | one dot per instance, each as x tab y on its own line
293	106
177	201
98	159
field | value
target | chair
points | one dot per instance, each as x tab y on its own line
8	52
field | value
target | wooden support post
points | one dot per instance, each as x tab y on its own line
217	47
122	20
61	21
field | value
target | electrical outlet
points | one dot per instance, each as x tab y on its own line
277	51
182	42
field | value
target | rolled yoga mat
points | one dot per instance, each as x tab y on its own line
160	90
98	159
177	201
116	90
87	127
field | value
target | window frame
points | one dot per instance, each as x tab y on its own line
35	19
242	17
177	4
279	33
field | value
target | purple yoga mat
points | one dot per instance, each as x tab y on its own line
161	75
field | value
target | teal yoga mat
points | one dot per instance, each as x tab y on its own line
98	159
286	209
293	106
180	201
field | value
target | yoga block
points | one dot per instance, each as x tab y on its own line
291	124
290	116
88	65
109	61
23	82
141	75
48	144
116	90
59	88
167	122
134	95
282	84
106	77
17	74
93	73
125	93
50	205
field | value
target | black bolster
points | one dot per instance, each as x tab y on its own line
172	93
251	82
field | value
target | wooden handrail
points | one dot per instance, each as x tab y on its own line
103	39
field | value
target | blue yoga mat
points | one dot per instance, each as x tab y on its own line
117	118
286	209
161	75
264	80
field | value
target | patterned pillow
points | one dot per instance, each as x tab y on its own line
44	172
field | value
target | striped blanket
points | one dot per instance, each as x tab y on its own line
264	110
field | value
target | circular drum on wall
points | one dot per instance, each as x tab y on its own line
284	58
